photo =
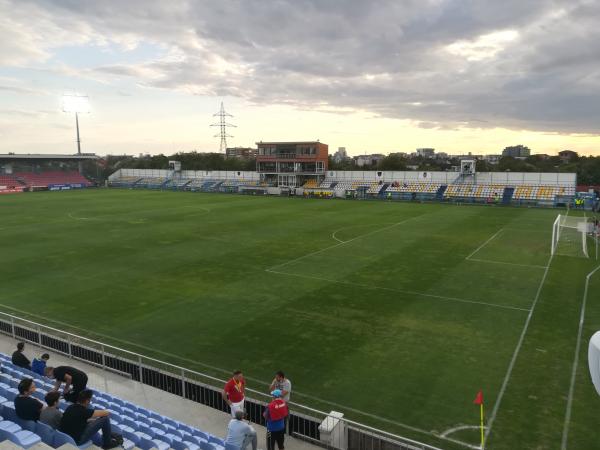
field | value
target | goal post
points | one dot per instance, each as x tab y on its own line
569	236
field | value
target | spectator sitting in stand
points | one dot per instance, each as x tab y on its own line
51	415
19	359
76	421
26	406
39	365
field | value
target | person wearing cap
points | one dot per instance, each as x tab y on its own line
240	433
275	414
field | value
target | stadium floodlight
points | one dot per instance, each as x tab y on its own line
78	104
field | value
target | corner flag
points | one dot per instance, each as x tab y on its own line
479	401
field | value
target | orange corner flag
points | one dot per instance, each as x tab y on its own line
479	398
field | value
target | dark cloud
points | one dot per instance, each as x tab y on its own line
531	64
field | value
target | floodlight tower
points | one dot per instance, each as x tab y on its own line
222	124
74	103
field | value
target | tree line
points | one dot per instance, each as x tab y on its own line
586	167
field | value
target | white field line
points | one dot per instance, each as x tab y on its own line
400	291
565	434
457	441
515	355
461	427
340	243
506	263
485	243
333	235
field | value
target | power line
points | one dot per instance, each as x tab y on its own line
222	124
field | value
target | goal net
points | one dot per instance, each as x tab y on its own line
569	236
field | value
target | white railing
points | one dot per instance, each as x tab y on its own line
329	430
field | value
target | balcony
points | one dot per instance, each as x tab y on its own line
291	156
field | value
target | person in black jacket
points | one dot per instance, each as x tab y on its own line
19	359
75	381
26	406
82	422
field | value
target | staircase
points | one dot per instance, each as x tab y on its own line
507	195
439	195
383	188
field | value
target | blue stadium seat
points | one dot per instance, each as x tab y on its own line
130	423
215	440
201	435
191	445
8	412
45	432
39	394
28	425
205	445
7	427
24	438
61	439
10	394
5	378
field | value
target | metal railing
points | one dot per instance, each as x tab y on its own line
328	430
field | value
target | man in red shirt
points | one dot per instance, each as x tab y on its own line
233	392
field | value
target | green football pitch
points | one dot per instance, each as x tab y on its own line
396	314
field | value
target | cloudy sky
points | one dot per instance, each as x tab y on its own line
370	75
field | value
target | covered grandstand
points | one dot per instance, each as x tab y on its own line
33	172
508	188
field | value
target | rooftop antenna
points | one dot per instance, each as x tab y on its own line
222	124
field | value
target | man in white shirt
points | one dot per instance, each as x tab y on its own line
240	433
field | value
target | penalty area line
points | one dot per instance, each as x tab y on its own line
400	291
484	244
513	360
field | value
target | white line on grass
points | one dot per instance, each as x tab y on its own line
565	434
515	355
485	243
333	235
506	263
341	243
421	294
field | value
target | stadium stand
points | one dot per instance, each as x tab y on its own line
150	183
9	183
417	187
52	178
140	427
552	189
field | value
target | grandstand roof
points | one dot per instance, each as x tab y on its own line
45	157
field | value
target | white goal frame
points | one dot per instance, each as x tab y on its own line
577	223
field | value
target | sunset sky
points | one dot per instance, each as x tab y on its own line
372	76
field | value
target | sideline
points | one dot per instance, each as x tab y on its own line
515	355
565	433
